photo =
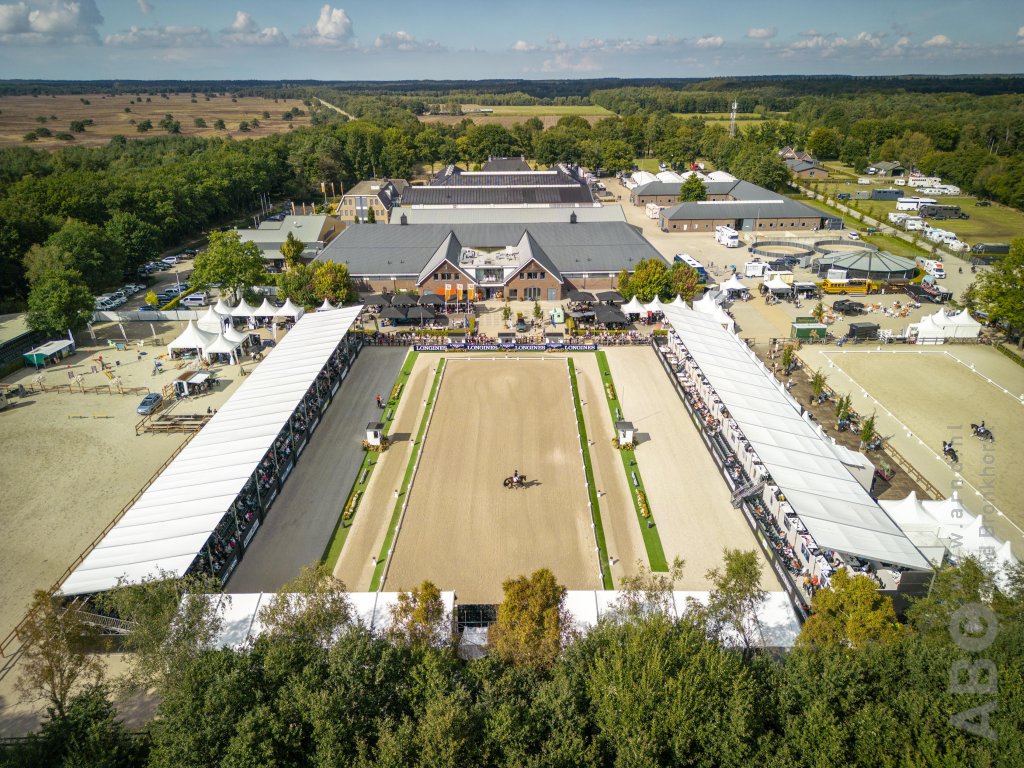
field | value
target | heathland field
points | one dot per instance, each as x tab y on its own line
114	115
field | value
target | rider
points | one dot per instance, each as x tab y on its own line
515	476
947	447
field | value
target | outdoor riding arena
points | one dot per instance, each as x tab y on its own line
462	528
924	396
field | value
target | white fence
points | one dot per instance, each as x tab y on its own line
135	316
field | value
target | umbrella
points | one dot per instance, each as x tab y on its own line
580	296
612	296
403	300
376	300
392	313
421	313
605	314
431	298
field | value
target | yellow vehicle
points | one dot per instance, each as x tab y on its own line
851	285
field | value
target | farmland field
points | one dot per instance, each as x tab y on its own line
539	110
21	114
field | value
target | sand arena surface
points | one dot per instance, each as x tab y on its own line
462	529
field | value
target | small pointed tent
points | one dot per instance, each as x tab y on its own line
326	306
962	326
210	322
244	310
679	302
192	338
290	309
232	335
633	307
266	309
222	346
778	285
655	306
734	284
222	307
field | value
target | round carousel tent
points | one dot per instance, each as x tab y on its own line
873	265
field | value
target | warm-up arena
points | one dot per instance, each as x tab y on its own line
462	528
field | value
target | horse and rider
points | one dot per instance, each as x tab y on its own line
982	432
516	480
950	452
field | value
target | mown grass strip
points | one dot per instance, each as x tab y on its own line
588	468
403	491
652	541
341	529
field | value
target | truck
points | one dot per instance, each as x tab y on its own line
688	260
937	211
913	224
931	267
727	236
653	210
754	268
913	203
991	248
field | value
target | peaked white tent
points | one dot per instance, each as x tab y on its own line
734	284
962	326
678	302
633	307
222	346
266	309
232	335
192	338
210	322
655	306
708	306
244	309
290	309
326	306
222	307
777	284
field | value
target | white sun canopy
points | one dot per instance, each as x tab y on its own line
836	509
192	338
244	309
634	307
167	527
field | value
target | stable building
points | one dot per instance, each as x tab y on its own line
562	186
314	231
807	169
744	207
508	260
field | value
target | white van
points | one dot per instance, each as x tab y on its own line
197	299
104	304
914	223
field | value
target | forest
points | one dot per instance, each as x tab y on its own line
644	687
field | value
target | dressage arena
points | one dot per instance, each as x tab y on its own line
462	529
936	395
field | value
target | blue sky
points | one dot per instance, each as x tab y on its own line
452	39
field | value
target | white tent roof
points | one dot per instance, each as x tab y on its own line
633	307
720	176
210	321
776	283
643	177
655	306
670	177
266	309
837	511
244	309
222	346
290	309
734	284
679	302
169	524
232	335
222	307
191	338
326	306
928	329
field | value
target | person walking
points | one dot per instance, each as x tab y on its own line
379	403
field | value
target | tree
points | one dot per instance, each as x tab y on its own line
371	217
818	381
1000	291
644	592
428	146
538	313
228	262
144	125
692	190
843	406
419	618
91	251
77	126
243	126
684	281
953	587
650	278
297	284
616	155
867	430
199	122
736	597
152	299
332	281
556	146
59	301
292	249
819	312
825	143
761	166
59	654
136	239
169	631
851	612
532	621
311	609
219	124
506	312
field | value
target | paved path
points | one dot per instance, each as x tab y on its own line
301	520
339	110
688	496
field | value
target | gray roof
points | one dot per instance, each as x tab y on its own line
782	208
659	188
506	164
597	247
384	189
499	195
584	213
868	261
798	166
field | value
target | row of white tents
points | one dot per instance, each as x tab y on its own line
938	327
639	178
708	304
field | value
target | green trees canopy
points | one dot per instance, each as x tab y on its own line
532	620
90	251
692	190
59	301
1000	291
292	249
228	262
650	278
684	281
851	613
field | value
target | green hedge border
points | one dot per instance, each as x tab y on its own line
334	546
403	491
652	540
588	468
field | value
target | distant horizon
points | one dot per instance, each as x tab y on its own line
266	40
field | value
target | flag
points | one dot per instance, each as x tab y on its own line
323	187
448	292
458	291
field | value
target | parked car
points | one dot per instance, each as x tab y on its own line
197	299
848	307
170	260
148	308
853	235
103	304
149	403
983	203
191	252
843	196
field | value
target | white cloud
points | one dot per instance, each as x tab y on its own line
245	31
50	21
145	7
159	36
403	41
521	46
710	41
567	62
332	28
762	33
831	44
1020	35
936	41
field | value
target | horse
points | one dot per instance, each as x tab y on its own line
950	452
515	482
982	432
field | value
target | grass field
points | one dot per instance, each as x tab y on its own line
22	114
540	110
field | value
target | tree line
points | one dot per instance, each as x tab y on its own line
645	686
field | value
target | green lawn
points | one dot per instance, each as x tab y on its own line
540	110
588	469
341	530
888	243
652	541
403	491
